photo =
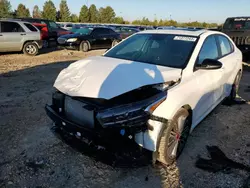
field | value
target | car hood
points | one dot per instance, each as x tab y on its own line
106	78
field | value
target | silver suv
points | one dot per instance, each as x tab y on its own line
19	36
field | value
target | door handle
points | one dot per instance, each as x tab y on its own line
1	35
23	34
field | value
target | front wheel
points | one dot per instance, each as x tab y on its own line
114	43
84	46
30	48
174	137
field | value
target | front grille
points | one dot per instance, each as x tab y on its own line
239	40
61	40
76	112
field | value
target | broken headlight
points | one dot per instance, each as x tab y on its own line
129	115
58	101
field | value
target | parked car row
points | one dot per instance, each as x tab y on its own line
31	34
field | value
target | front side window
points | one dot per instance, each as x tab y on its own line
11	27
158	49
225	45
209	50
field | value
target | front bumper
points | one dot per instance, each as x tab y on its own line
69	45
99	134
105	146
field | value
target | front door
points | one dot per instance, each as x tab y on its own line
208	81
13	35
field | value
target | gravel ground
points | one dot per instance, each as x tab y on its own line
31	156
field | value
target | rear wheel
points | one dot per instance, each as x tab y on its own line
30	48
174	137
235	88
84	46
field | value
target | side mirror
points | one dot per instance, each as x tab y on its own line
209	64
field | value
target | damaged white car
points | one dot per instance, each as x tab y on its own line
153	88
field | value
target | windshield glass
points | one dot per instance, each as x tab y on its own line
237	23
159	49
84	31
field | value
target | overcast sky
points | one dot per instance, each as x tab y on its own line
180	10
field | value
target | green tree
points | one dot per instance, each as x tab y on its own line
36	12
74	18
64	12
136	22
93	14
22	11
5	9
106	15
145	21
49	10
84	14
118	20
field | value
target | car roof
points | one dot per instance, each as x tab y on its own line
13	20
188	32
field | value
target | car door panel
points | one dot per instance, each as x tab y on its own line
229	61
209	82
13	36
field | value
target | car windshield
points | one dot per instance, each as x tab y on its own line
158	49
237	23
84	31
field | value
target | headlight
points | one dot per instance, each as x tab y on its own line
130	115
72	40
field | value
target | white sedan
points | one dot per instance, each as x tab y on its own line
154	88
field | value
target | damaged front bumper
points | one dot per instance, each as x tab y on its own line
107	124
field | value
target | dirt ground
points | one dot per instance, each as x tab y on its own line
31	156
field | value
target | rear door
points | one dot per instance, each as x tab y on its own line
229	60
13	36
32	33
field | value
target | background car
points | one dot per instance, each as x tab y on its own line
19	36
86	39
54	30
126	31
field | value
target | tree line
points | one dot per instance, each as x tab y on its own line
86	15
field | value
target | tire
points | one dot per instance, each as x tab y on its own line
30	48
114	43
235	88
174	137
84	46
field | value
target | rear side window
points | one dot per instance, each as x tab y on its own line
225	45
11	27
209	50
30	27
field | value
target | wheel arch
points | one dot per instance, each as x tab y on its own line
87	42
